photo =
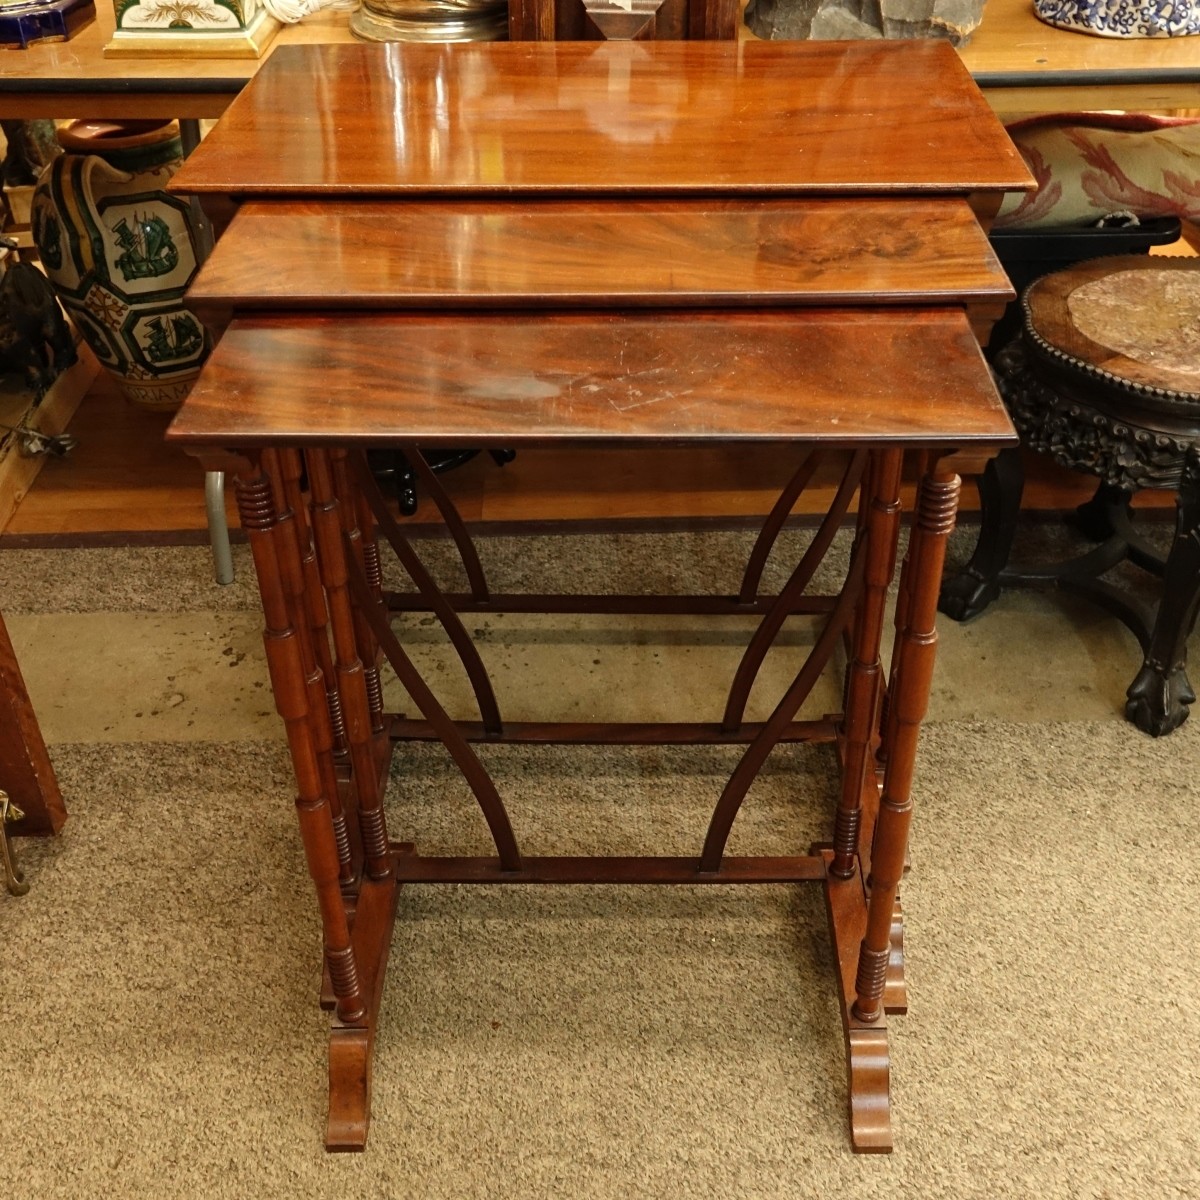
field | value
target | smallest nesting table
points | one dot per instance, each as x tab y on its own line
684	244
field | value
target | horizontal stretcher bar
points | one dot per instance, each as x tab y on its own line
605	604
615	733
412	868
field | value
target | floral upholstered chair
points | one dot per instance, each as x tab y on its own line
1091	167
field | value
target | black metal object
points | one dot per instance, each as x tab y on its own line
392	469
1028	254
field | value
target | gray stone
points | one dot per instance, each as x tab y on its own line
827	20
834	24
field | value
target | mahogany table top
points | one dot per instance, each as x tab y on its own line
621	253
700	117
840	377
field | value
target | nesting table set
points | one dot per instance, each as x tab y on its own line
602	245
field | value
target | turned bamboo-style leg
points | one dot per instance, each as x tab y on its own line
358	524
291	563
936	508
292	468
864	676
895	991
256	507
350	672
908	571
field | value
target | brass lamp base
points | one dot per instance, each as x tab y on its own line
431	21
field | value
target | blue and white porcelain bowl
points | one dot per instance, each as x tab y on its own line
1123	18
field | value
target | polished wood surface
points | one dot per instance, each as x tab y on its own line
326	254
1023	65
1163	356
121	483
893	374
1029	66
64	79
506	118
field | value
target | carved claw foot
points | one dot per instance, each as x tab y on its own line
966	595
1158	700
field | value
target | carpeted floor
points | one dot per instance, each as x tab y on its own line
161	1037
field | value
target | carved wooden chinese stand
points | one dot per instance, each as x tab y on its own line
670	244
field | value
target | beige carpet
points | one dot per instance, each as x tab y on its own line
157	989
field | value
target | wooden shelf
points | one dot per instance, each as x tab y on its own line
1022	64
122	478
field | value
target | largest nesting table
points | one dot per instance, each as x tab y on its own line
609	245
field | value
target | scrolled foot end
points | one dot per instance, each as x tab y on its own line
349	1091
870	1095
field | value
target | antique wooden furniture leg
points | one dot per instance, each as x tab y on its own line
334	546
895	993
845	893
339	552
1094	518
293	552
863	928
355	962
1159	696
865	672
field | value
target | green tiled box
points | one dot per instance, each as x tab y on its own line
193	28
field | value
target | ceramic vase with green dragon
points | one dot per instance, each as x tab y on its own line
121	252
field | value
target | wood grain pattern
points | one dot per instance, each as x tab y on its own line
701	117
327	255
123	483
1011	44
837	377
1060	70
